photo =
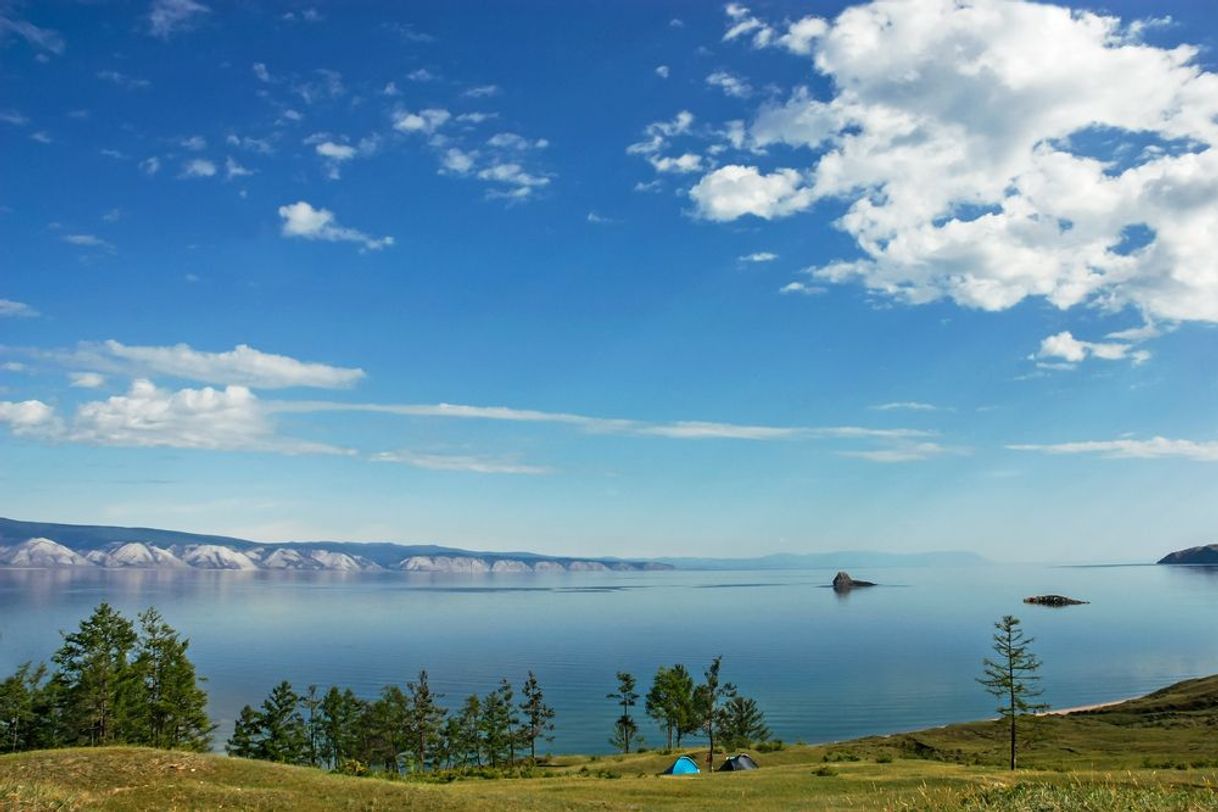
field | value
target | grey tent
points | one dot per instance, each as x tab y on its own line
739	762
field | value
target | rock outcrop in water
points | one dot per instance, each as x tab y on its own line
1206	554
842	582
1054	600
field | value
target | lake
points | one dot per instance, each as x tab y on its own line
822	666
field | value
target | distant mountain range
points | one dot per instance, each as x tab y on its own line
46	545
834	560
1207	554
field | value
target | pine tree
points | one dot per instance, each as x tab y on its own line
625	729
741	723
340	716
670	701
95	679
171	707
496	725
283	737
707	697
469	749
247	732
22	698
538	716
386	729
1012	677
310	706
424	718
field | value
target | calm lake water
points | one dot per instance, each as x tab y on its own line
822	666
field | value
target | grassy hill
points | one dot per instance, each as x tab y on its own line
1159	752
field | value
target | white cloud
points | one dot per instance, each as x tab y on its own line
29	418
907	406
481	91
1085	176
458	161
424	121
456	462
759	256
1065	346
87	241
229	419
194	143
44	39
730	84
42	137
659	132
335	154
241	365
14	117
150	166
662	71
86	380
232	169
907	452
802	289
167	16
421	75
123	80
733	191
198	168
302	220
681	164
514	141
1154	448
599	219
518	183
261	72
11	309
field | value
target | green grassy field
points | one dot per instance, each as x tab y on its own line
1159	752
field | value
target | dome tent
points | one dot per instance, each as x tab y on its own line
683	766
743	761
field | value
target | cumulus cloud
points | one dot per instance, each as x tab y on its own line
229	419
87	380
730	84
302	220
513	181
123	80
1154	448
241	365
12	309
733	191
662	71
481	91
198	168
1067	348
459	462
425	121
759	256
1085	176
167	16
87	241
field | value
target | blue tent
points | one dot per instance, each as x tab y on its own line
683	766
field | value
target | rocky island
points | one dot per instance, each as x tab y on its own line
1053	600
1206	554
842	582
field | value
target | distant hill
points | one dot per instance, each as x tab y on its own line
1207	554
831	560
49	545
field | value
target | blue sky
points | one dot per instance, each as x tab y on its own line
614	278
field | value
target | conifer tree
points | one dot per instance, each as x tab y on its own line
1012	677
625	729
340	716
469	748
670	702
708	697
538	716
424	718
23	699
741	723
171	708
282	733
94	679
244	743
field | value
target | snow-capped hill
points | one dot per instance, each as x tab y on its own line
443	563
137	555
215	557
341	562
284	559
42	553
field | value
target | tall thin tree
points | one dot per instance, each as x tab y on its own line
625	729
538	716
708	697
1012	677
